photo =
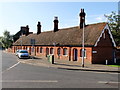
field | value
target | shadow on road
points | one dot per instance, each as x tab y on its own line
67	65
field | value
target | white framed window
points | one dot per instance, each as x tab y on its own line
32	49
65	51
81	52
59	51
41	50
51	51
26	48
37	49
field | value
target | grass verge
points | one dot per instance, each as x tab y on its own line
114	65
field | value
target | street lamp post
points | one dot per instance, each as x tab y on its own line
21	38
54	47
32	41
21	42
83	46
53	57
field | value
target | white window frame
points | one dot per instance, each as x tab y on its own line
41	50
85	54
59	51
65	52
37	50
52	51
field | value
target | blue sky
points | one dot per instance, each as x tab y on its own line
16	14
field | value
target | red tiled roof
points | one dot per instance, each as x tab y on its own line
66	36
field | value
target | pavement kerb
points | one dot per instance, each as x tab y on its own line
65	67
89	69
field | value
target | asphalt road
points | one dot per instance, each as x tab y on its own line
19	75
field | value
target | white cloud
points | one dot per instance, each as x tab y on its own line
95	19
101	18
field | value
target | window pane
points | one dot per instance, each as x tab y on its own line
58	52
65	51
32	49
37	49
51	50
41	50
23	51
82	51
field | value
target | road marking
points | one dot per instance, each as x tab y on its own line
11	67
105	72
31	81
100	72
106	82
115	73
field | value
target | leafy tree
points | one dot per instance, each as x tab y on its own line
114	23
6	40
0	43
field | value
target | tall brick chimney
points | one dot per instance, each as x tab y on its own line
24	30
27	30
38	28
82	18
56	24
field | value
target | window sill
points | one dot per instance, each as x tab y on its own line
84	57
65	55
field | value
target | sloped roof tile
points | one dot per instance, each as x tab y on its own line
65	36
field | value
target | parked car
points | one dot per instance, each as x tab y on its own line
23	54
17	52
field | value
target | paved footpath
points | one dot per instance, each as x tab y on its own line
69	65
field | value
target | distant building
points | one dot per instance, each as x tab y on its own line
66	43
23	31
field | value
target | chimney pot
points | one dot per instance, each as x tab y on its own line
56	18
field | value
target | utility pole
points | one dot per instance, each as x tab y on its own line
32	41
83	50
21	38
82	26
54	47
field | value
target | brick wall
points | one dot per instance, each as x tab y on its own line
88	57
102	54
69	55
104	50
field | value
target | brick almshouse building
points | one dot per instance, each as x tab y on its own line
66	43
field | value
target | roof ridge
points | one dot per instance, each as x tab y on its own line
67	36
71	27
76	26
98	23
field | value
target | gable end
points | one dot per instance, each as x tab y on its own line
103	31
